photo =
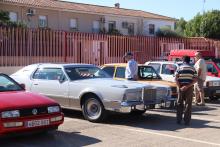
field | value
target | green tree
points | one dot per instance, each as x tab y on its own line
180	26
4	17
206	25
192	28
5	20
167	32
210	25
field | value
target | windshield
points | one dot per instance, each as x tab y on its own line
148	72
6	84
79	73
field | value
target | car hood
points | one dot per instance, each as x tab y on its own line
22	99
114	83
160	83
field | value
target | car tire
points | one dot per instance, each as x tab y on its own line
213	98
138	112
93	109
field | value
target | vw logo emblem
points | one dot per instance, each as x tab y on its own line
34	111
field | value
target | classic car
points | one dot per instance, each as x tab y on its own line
85	87
166	69
23	112
166	91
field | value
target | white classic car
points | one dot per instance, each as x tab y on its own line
85	87
166	69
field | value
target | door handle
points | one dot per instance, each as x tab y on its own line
35	84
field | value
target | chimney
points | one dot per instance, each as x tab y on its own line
117	5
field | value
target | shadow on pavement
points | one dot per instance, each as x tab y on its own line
156	122
52	139
147	121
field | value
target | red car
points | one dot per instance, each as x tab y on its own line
22	111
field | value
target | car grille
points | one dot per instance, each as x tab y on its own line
149	96
161	93
29	111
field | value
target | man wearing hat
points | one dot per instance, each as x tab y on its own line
131	68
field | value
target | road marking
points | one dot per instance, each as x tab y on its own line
166	135
149	132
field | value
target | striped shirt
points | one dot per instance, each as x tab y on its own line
185	74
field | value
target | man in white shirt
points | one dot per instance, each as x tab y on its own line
131	68
201	70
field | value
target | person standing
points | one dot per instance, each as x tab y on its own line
185	77
131	70
201	70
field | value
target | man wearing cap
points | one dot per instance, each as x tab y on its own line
131	68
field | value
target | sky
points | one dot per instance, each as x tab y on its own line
172	8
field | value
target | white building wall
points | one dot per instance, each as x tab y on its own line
119	20
158	24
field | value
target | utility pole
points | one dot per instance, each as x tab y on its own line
203	9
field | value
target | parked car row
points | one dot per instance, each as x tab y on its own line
93	90
166	70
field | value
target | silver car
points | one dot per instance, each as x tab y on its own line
85	87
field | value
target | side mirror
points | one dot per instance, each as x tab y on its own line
62	79
22	85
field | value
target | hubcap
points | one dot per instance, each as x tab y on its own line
93	108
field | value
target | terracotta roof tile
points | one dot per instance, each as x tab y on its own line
57	4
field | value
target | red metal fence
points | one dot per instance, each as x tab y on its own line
20	46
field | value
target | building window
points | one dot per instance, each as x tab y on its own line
131	28
42	21
151	29
111	25
73	24
96	26
13	16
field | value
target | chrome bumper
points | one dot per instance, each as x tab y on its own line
124	107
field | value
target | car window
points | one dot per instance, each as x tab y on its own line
147	72
211	68
109	70
79	73
156	66
168	69
48	74
120	72
6	84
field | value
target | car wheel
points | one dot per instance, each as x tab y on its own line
93	109
213	98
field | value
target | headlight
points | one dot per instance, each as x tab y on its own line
53	109
133	96
11	114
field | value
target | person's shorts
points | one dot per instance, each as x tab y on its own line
199	85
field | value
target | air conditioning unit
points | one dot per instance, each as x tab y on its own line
102	19
124	24
31	12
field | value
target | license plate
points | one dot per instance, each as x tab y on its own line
37	123
217	91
